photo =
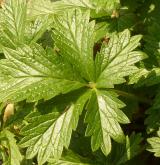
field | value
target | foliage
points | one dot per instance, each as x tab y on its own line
154	142
78	82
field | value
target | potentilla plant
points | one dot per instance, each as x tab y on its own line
79	82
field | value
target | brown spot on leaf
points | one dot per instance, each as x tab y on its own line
9	110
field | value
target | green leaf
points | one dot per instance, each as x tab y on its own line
155	144
35	29
8	141
73	4
152	121
74	36
70	158
46	7
46	135
100	30
103	107
123	20
16	29
39	7
97	8
139	77
14	21
118	59
152	47
32	73
144	77
121	153
103	8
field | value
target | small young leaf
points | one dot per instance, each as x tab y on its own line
155	145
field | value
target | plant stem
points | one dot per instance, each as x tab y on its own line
132	96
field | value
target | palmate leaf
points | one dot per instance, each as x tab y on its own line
48	134
117	58
155	144
113	63
103	117
31	73
74	36
9	142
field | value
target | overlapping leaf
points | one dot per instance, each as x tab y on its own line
111	65
117	59
14	22
15	29
103	118
145	77
74	36
46	135
97	8
35	29
31	73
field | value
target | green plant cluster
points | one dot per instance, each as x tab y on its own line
80	82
